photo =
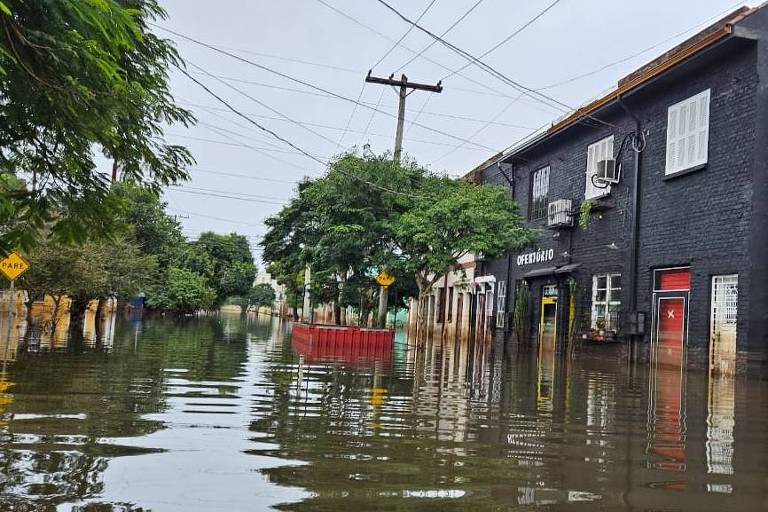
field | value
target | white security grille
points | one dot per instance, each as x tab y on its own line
725	297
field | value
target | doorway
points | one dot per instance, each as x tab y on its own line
671	292
722	336
548	318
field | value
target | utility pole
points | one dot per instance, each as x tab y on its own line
404	85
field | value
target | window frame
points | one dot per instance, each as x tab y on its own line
536	211
591	168
672	166
610	303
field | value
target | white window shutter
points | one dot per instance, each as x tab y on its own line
688	133
601	150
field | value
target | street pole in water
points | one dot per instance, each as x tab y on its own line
11	307
403	93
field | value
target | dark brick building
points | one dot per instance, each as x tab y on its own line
676	246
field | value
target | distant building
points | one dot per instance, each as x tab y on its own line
279	306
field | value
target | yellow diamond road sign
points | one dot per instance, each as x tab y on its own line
13	266
385	279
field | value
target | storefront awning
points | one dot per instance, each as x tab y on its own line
551	271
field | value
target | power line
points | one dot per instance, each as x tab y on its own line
425	112
307	84
370	120
259	126
397	43
352	115
434	42
506	39
206	216
243	176
228	192
226	196
261	103
305	153
641	52
539	96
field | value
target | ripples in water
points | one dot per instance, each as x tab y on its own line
226	414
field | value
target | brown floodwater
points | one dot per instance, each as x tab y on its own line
226	414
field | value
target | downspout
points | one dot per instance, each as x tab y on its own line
634	233
512	189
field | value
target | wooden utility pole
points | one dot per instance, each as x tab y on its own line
404	85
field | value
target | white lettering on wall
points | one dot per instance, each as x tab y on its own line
538	256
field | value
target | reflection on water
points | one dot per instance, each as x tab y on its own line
227	414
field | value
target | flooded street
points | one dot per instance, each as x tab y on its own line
225	414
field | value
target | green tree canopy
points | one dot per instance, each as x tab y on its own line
262	295
80	78
232	262
369	213
183	291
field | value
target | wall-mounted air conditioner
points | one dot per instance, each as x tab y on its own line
608	171
560	213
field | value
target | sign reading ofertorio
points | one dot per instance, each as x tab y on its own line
13	266
385	279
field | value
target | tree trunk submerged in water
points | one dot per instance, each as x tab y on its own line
77	308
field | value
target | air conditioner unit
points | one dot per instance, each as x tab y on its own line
608	171
559	213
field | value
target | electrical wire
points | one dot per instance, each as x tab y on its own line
259	126
243	176
228	192
384	36
641	52
373	114
291	144
305	83
445	32
533	94
226	196
262	104
505	40
397	43
213	217
425	112
351	116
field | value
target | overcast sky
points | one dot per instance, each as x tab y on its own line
477	114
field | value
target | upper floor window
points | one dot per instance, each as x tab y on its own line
537	208
597	152
688	133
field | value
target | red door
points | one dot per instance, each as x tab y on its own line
671	333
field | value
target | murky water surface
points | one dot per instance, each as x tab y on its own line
224	414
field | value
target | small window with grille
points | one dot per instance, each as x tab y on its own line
537	208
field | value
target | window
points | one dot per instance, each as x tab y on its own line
600	150
606	300
450	304
537	208
501	304
725	297
688	133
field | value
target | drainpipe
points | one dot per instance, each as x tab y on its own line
634	234
511	182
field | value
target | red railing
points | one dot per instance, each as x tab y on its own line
345	344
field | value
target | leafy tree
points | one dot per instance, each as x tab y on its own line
78	78
455	218
184	291
262	295
337	224
233	267
94	270
156	232
351	223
